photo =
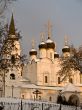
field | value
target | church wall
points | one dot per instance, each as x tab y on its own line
49	69
30	72
33	57
12	92
42	53
46	95
43	69
50	53
66	54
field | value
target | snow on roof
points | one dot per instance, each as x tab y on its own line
66	46
24	80
55	52
49	41
42	42
9	100
33	86
70	88
33	50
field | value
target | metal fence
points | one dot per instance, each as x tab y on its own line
18	104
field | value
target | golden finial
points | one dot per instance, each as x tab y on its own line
33	44
42	36
66	40
49	29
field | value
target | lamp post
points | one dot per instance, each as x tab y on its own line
37	92
21	105
42	106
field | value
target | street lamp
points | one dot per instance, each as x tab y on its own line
37	92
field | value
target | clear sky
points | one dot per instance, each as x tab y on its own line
32	15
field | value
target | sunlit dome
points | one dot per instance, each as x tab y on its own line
42	45
33	50
50	44
56	55
66	48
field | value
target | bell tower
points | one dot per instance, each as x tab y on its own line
11	61
11	48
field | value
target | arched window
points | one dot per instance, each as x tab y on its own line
58	80
12	76
70	80
46	79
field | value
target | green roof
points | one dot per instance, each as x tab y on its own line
12	26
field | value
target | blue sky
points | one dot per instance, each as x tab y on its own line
31	16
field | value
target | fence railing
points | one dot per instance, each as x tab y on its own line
21	104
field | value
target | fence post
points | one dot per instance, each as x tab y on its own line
42	106
21	105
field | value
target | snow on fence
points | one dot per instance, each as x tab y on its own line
21	104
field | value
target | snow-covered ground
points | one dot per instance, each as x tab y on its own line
21	104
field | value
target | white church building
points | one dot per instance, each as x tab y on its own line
38	78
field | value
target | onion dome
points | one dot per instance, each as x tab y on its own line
42	44
33	51
66	48
56	55
50	44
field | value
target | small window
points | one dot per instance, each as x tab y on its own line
23	96
12	76
46	79
70	80
58	80
51	55
50	98
13	59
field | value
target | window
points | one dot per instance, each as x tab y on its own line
12	76
51	55
58	80
70	80
50	98
13	59
46	79
23	96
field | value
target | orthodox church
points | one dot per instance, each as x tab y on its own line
38	78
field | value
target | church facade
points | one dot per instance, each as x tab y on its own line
38	79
